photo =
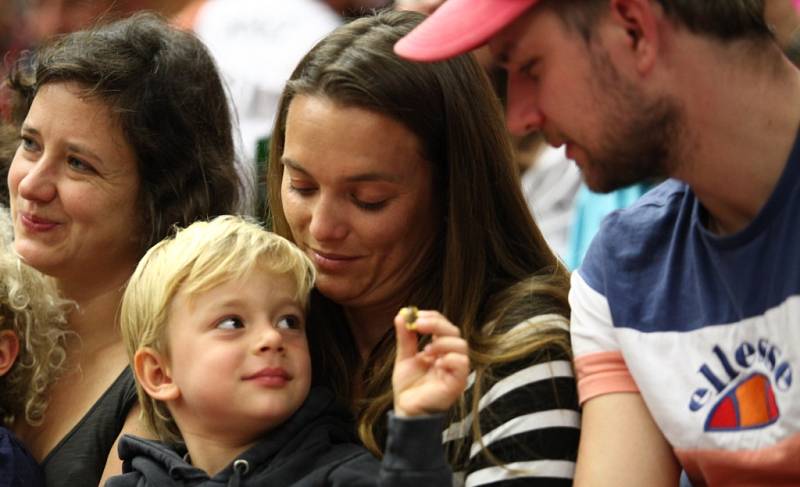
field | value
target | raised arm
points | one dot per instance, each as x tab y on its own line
431	380
426	384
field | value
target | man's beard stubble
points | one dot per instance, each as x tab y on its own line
641	135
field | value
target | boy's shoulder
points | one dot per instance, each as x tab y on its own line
316	441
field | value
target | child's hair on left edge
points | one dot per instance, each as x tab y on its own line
195	260
32	308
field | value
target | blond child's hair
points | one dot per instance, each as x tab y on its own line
196	259
31	307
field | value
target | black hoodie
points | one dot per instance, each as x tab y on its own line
315	447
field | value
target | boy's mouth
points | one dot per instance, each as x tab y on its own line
270	373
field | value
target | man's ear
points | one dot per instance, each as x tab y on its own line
153	373
9	349
639	20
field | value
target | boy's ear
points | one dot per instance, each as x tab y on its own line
9	349
152	372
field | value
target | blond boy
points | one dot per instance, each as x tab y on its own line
214	323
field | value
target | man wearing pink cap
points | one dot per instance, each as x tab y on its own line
686	310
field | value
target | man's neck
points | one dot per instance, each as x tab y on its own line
742	125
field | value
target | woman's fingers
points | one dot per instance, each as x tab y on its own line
406	338
457	364
445	344
434	323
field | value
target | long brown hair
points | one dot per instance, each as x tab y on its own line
491	268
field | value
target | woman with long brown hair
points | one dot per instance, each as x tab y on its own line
398	180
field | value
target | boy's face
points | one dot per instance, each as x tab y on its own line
238	356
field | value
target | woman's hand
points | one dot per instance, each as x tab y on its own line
430	380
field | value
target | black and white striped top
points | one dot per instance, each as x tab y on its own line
529	419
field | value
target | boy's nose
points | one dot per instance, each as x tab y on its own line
270	339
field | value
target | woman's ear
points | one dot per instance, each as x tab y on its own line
9	349
152	371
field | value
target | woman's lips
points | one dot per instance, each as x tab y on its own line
36	224
328	262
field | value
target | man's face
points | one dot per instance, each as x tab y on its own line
569	89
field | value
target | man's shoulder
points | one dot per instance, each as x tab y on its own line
660	206
633	238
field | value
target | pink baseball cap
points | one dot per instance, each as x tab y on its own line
459	26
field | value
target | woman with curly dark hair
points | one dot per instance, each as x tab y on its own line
125	132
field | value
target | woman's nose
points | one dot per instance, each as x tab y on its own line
37	180
328	221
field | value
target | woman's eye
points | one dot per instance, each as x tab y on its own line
230	323
301	189
370	206
28	144
79	165
289	322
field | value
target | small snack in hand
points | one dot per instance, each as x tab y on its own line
409	314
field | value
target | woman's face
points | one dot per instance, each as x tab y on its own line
74	184
358	196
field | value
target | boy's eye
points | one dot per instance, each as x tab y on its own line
289	322
230	323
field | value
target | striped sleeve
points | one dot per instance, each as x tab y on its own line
529	420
